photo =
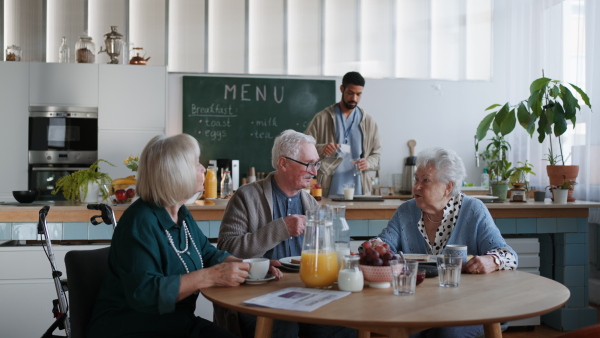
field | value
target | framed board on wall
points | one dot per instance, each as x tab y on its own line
238	118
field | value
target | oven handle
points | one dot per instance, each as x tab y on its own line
57	169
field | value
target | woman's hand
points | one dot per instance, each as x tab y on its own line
480	264
274	271
227	274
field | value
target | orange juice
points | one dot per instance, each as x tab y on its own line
318	269
210	183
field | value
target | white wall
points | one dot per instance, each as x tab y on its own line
432	112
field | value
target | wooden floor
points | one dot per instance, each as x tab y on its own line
540	331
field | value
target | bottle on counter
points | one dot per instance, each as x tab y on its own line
251	175
226	184
210	183
485	179
317	191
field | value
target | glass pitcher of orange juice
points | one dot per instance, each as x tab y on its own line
319	264
210	183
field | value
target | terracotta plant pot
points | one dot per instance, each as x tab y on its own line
559	173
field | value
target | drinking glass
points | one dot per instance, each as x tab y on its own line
404	277
449	269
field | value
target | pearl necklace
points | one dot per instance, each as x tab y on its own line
188	238
432	221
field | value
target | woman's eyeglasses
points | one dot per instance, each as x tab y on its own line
310	167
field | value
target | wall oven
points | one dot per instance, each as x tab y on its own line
61	140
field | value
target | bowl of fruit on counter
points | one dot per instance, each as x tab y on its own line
122	190
375	257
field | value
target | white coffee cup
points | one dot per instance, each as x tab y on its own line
258	267
456	250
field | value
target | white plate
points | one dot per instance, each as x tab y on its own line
219	201
192	199
259	281
288	261
484	197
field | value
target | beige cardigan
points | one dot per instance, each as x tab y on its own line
322	128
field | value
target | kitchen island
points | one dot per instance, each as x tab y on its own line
562	231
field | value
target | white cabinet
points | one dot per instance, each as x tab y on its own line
13	128
62	84
132	105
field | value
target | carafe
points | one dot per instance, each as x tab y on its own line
319	264
350	277
210	183
341	232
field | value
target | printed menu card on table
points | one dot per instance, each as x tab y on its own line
298	299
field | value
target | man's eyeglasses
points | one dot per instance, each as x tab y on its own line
310	167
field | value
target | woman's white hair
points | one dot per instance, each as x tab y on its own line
167	169
288	144
449	166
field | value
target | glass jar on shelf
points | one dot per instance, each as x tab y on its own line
85	50
13	53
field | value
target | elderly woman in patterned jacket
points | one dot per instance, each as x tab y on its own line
439	215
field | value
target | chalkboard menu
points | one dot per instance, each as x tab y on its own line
239	118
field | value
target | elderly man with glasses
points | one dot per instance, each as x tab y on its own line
266	219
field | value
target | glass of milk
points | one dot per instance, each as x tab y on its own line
348	191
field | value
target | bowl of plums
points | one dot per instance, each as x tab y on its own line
375	258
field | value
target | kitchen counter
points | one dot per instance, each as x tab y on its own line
207	211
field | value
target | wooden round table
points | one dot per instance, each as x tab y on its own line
480	299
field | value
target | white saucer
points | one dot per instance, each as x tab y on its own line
259	281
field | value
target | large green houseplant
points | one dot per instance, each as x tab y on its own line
550	105
75	186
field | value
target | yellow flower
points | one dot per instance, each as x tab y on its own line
132	162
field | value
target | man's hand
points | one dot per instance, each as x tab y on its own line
295	224
362	164
330	148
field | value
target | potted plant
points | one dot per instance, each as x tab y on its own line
499	168
560	192
79	184
550	105
519	177
501	171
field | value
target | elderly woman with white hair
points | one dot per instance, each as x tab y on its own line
159	258
438	215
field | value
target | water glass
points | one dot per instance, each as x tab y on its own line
404	277
449	269
356	168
